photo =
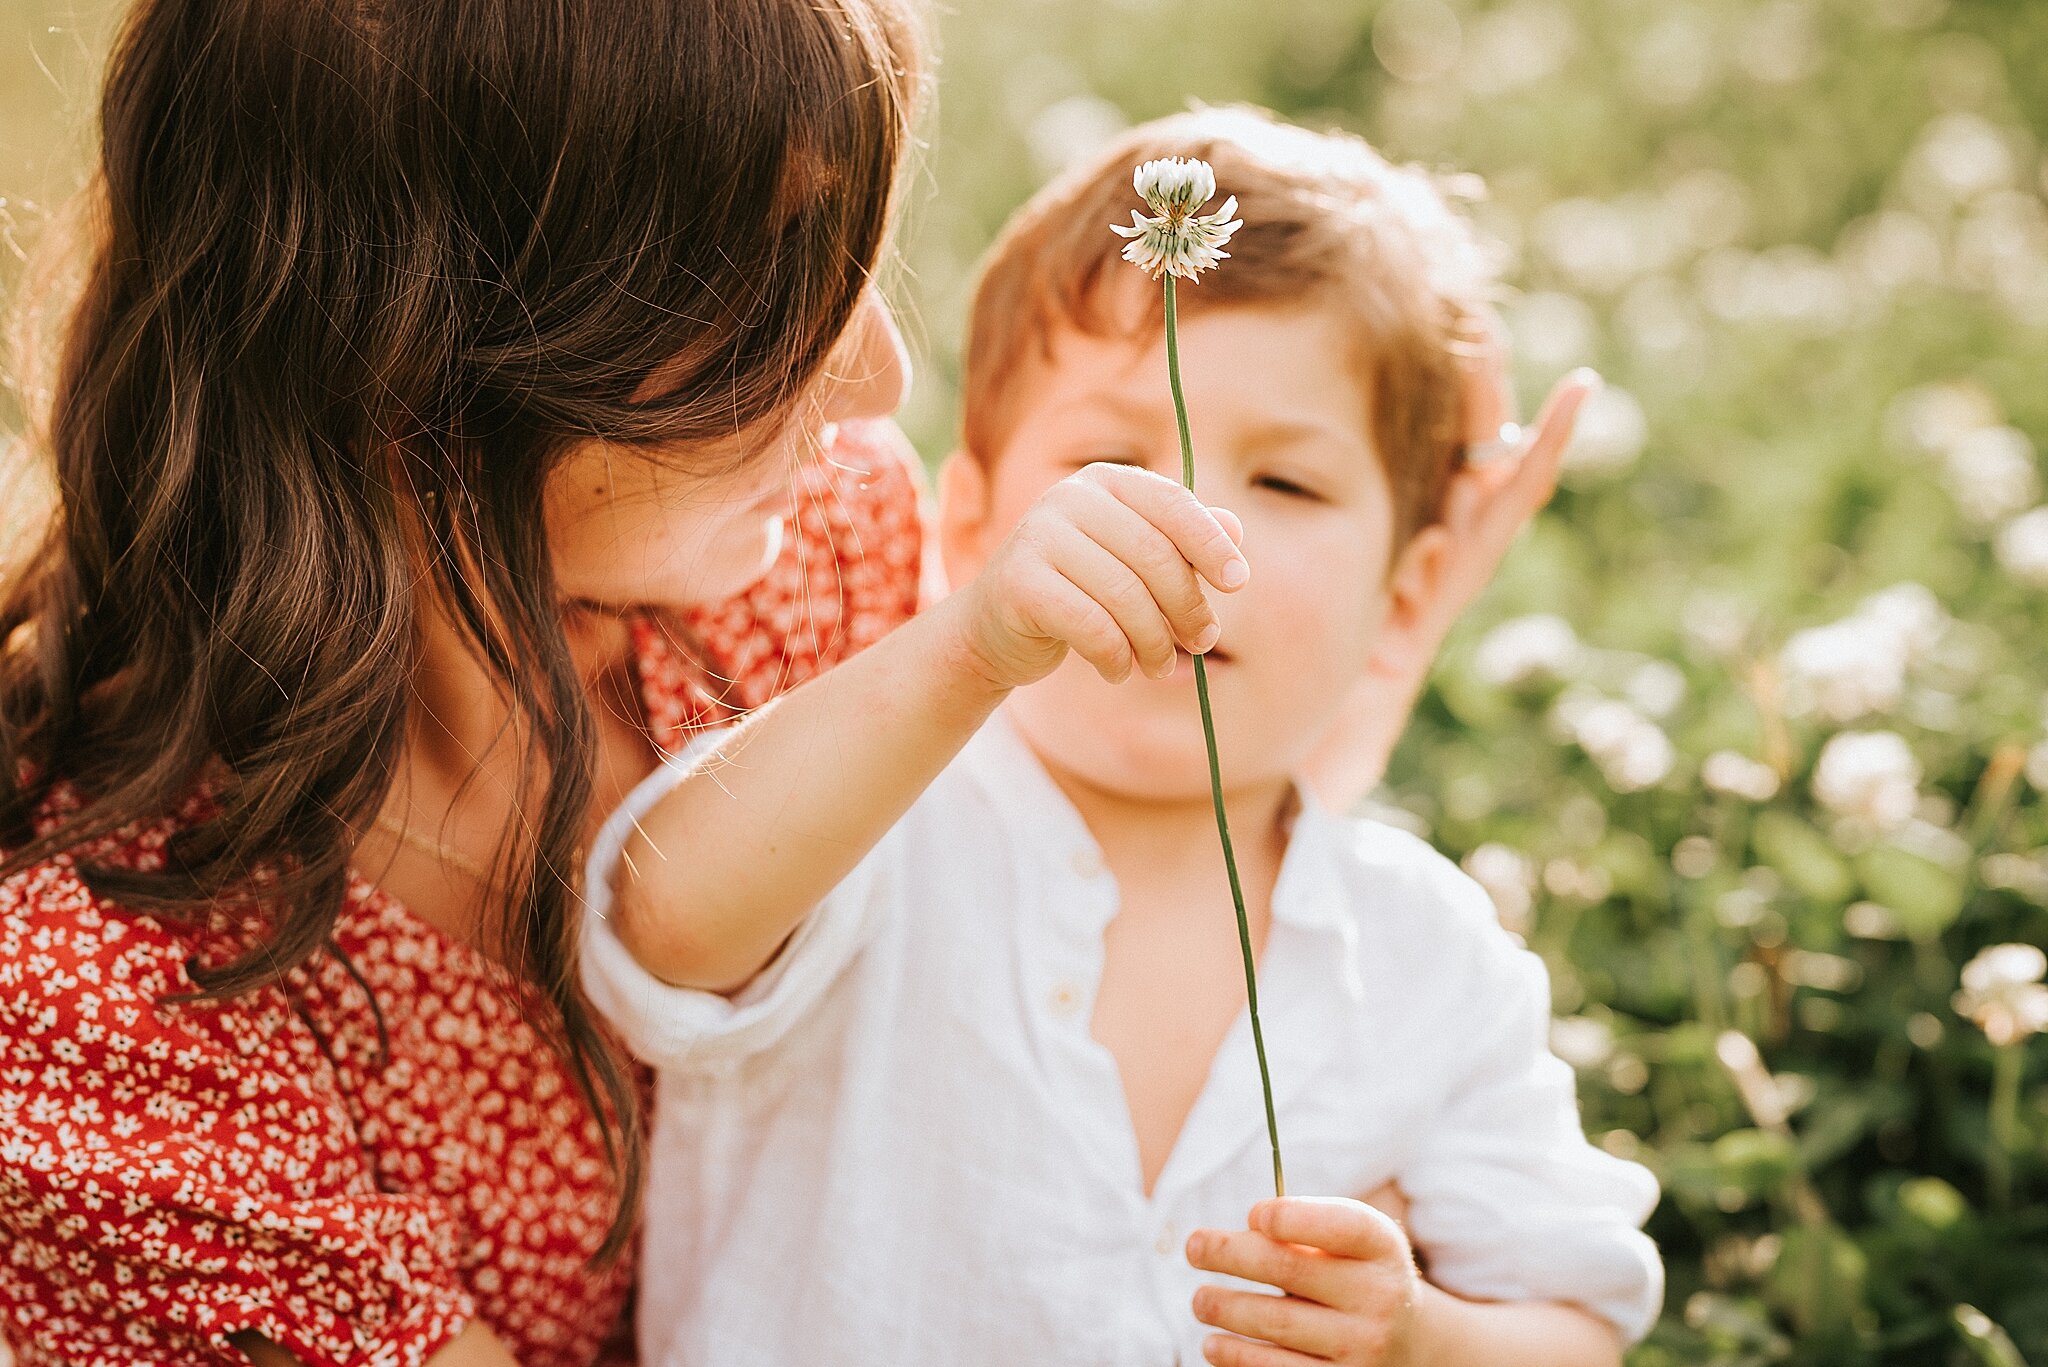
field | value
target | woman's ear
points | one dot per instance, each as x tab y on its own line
1416	619
963	517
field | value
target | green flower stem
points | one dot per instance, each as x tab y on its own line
1244	925
2006	1062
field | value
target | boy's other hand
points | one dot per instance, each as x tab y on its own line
1351	1292
1109	563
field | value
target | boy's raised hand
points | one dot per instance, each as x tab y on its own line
1351	1289
1108	563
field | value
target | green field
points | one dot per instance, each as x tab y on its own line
1806	241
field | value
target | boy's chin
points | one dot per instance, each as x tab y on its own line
1140	753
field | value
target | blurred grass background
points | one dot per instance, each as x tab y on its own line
1748	740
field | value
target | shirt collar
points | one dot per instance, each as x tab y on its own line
1309	895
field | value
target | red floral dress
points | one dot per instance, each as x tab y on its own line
172	1174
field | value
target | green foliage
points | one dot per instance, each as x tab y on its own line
1806	242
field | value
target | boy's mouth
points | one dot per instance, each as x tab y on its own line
1215	655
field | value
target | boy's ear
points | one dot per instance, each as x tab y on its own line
963	517
1414	627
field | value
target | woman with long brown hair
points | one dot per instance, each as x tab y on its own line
460	401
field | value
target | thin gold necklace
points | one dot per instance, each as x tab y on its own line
448	855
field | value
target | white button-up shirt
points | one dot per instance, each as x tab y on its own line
901	1143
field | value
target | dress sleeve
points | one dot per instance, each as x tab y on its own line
1508	1199
850	570
685	1029
174	1174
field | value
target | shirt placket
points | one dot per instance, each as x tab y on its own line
1077	899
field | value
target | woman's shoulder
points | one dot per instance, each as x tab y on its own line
57	933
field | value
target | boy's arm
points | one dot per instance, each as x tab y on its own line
723	868
1353	1295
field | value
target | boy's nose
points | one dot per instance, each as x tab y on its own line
869	372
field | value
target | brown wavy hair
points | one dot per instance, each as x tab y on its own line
1328	221
357	274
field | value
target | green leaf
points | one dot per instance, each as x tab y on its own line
1803	855
1924	896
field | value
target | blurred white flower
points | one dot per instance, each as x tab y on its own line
1991	473
1843	670
1069	129
1509	878
1912	612
1868	776
1417	40
1553	331
1176	240
2022	548
1631	751
2037	765
1541	646
1676	59
1959	156
1737	775
1518	45
2003	994
1581	1041
1932	417
1657	687
1611	433
1778	45
1851	668
1890	249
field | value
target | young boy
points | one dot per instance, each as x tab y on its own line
948	1005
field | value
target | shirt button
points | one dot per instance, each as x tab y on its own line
1064	999
1087	863
1167	1241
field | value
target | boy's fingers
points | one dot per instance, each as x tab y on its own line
1118	589
1195	530
1247	1253
1153	562
1069	614
1226	1351
1286	1321
1334	1224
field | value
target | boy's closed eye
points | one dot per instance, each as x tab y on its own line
1289	487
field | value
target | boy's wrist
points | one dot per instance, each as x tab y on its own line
961	667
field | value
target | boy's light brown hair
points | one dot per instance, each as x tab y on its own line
1327	220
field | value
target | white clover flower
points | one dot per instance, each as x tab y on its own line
1912	611
1870	776
1849	669
1581	1041
1526	650
1738	775
1509	878
2022	548
1176	240
1991	473
1631	751
2003	993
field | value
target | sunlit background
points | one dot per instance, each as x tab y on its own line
1748	740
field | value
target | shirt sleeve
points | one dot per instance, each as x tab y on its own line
1508	1199
173	1174
683	1028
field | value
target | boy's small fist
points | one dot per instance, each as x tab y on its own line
1109	563
1350	1289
